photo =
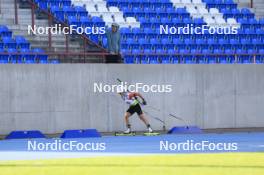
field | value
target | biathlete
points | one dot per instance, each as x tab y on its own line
131	98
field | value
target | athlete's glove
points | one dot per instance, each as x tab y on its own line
144	102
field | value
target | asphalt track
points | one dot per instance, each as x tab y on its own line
133	145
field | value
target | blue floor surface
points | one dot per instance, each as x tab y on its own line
184	143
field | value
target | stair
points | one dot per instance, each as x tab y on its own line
7	17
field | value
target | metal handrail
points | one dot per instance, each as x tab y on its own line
51	18
64	24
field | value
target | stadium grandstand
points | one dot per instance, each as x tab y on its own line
140	24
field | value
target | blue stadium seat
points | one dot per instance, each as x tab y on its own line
223	60
211	59
69	11
128	59
5	32
9	42
58	13
153	60
27	55
1	46
40	54
14	56
81	11
200	59
4	57
259	59
72	20
85	21
144	60
22	43
165	60
54	61
147	40
98	21
175	59
189	60
43	61
65	2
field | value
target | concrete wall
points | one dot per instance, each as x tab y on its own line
52	98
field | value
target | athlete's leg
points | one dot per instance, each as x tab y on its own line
127	115
144	119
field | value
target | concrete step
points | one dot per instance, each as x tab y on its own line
7	1
6	21
24	11
258	6
58	49
258	1
8	5
40	23
8	11
259	10
242	1
244	5
24	26
56	45
7	16
45	41
36	41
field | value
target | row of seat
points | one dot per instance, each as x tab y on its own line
25	56
167	4
49	3
18	43
217	1
20	60
109	14
156	34
244	12
147	39
16	49
78	13
192	59
191	40
188	20
187	50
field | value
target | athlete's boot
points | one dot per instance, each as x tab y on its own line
150	129
128	131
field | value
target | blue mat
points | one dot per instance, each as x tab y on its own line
85	133
185	130
25	135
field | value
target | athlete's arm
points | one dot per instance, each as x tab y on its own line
136	94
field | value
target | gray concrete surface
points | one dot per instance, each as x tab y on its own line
52	98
